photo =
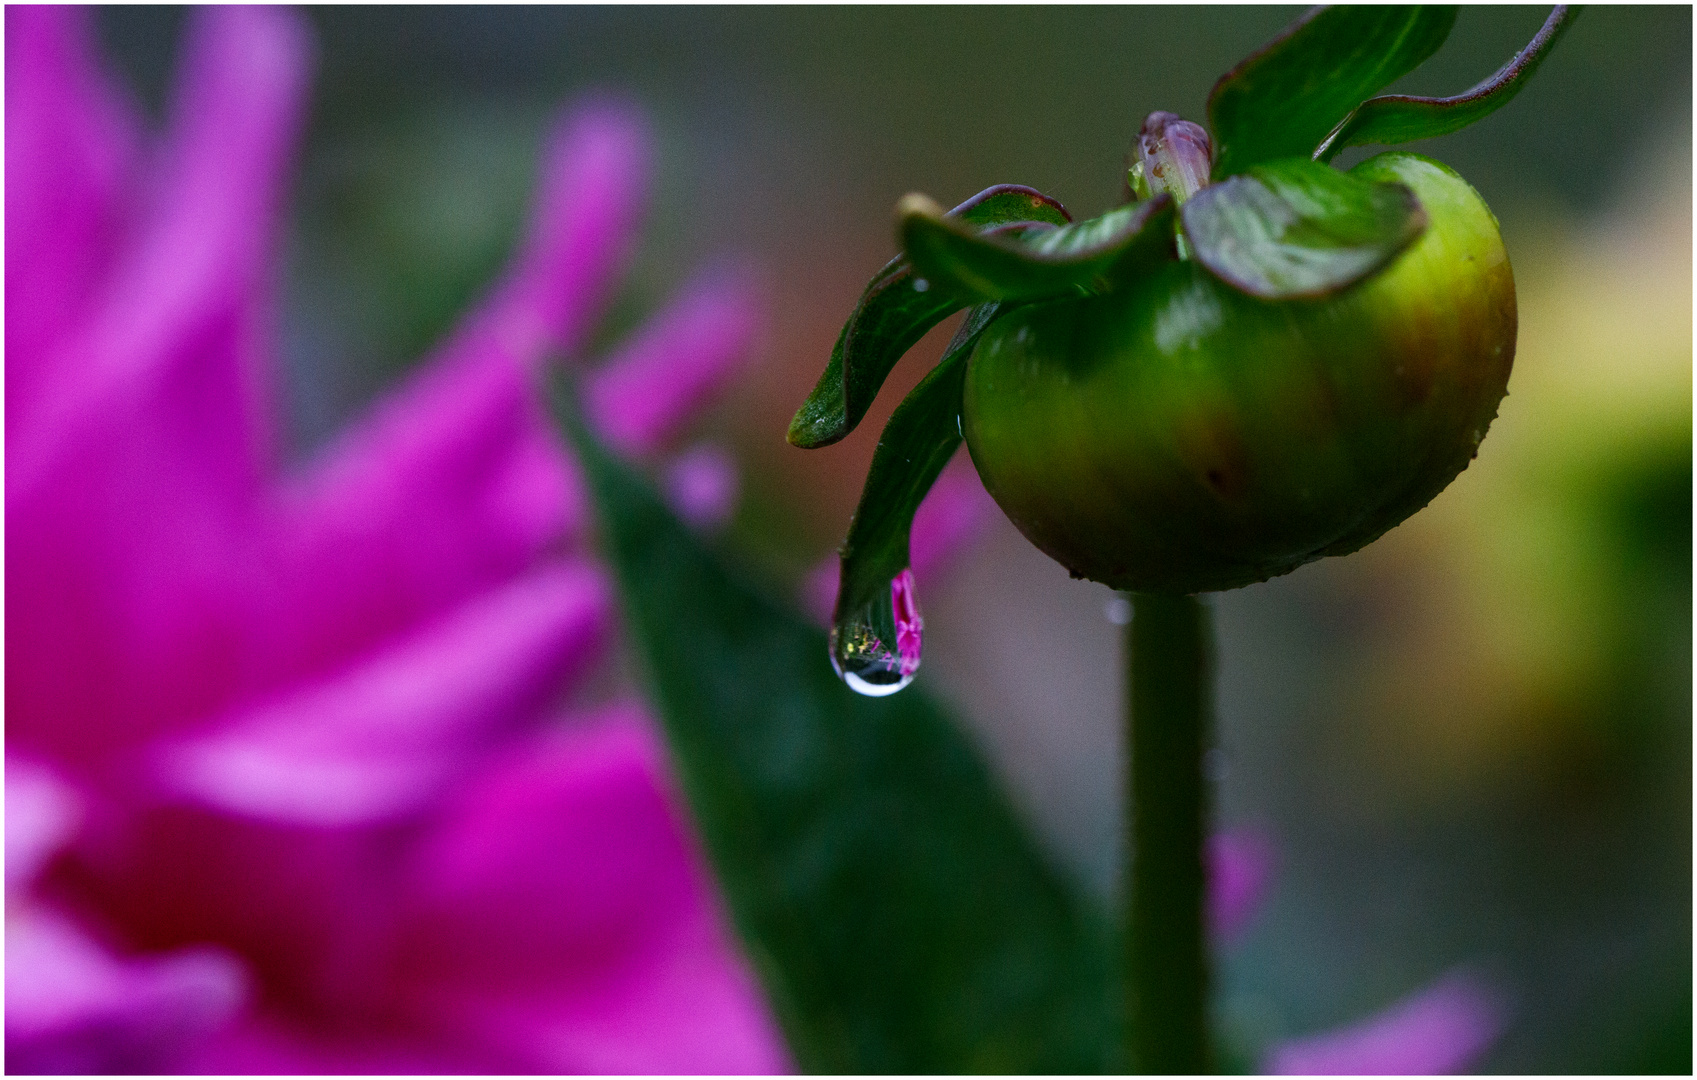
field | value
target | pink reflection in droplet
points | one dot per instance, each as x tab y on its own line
909	626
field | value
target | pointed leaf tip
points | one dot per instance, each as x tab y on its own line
1285	98
1400	118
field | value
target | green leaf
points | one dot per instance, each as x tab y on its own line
1282	101
1020	263
921	436
895	908
1297	228
1400	118
896	310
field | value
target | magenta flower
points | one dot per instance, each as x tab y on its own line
1442	1028
1240	872
290	787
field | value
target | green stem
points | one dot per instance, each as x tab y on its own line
1169	665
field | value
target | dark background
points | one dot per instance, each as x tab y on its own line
1470	744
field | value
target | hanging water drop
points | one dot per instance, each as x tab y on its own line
875	650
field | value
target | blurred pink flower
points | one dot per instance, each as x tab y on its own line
1441	1029
289	783
1240	871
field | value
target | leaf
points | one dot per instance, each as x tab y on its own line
1023	263
1282	101
896	310
1400	118
896	909
921	436
1296	228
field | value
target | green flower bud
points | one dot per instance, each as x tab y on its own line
1177	435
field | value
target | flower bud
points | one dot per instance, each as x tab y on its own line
1176	435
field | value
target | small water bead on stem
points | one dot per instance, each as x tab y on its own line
861	641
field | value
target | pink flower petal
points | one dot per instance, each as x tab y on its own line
594	191
1240	867
458	479
73	1007
310	910
663	375
1441	1029
126	494
71	143
563	914
701	486
379	739
687	1006
277	1046
951	517
42	814
955	510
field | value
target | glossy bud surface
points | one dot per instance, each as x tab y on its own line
1178	436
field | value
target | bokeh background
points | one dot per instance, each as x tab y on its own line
1468	745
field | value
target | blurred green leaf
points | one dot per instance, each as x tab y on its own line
923	433
1015	264
898	912
1283	100
1400	118
894	312
1297	228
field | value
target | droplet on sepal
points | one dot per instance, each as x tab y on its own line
876	650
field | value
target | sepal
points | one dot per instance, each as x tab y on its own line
1400	118
896	310
921	436
1283	100
1296	228
1023	263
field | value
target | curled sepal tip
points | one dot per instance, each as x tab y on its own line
897	309
875	634
1020	263
1296	228
1400	118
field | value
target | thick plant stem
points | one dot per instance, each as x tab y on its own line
1169	666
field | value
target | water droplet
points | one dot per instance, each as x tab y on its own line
920	284
860	652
